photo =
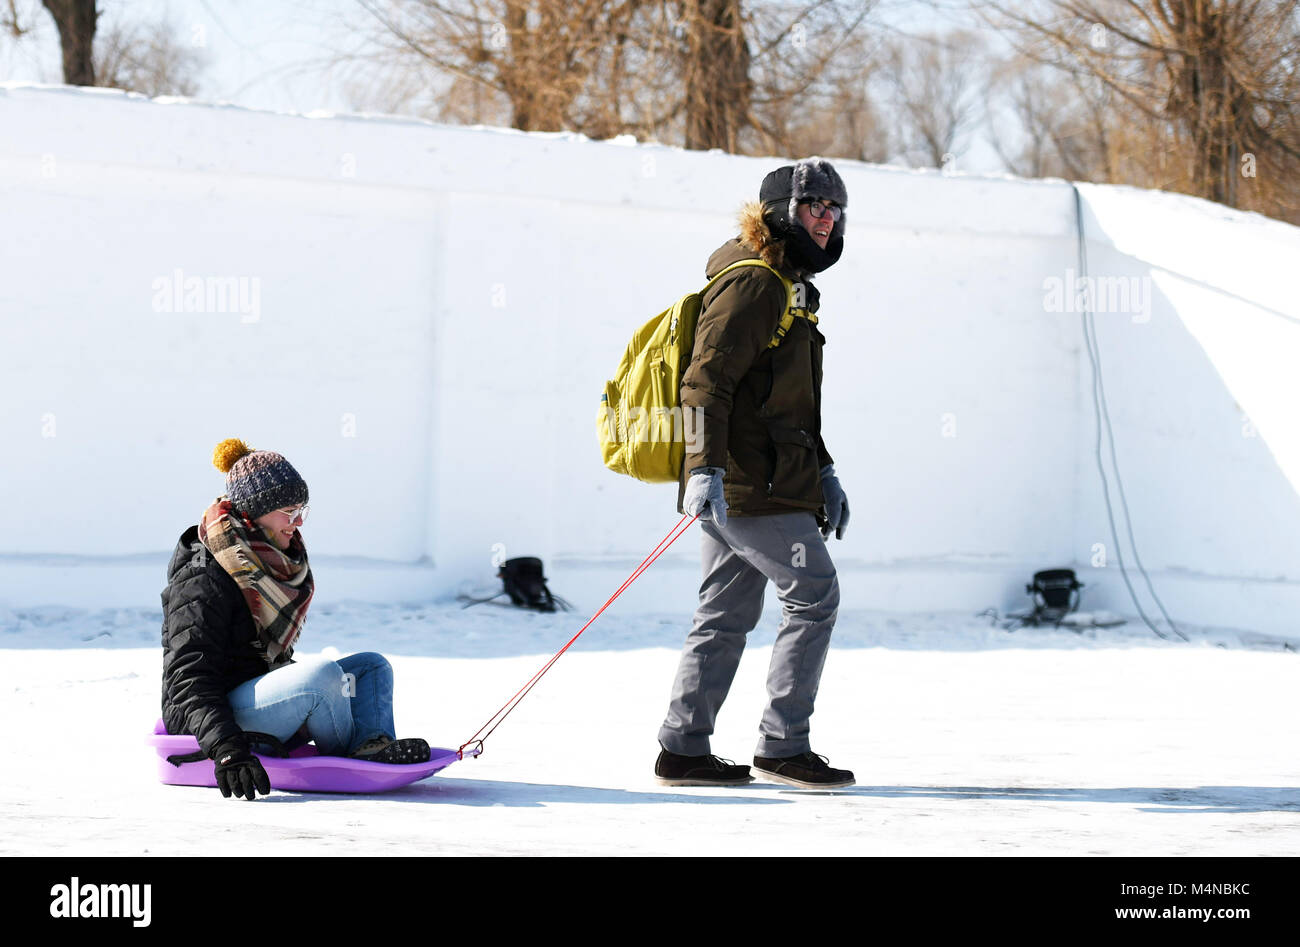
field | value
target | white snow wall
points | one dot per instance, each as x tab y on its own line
421	318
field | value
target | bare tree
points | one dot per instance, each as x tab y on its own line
147	58
716	82
939	85
1216	79
812	64
543	58
1067	123
837	117
740	75
76	20
11	22
626	88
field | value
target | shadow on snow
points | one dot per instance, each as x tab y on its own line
487	793
1199	799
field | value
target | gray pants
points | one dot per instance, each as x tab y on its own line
738	561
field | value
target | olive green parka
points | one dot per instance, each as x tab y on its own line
759	407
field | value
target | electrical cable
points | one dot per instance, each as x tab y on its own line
1100	412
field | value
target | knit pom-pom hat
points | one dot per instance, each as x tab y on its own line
258	481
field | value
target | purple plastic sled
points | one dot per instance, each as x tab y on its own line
304	770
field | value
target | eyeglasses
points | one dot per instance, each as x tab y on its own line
298	513
819	209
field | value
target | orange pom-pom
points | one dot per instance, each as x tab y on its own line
227	452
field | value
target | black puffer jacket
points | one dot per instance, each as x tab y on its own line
207	639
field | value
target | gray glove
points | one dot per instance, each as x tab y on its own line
704	494
837	504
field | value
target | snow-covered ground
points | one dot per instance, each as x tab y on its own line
446	303
965	739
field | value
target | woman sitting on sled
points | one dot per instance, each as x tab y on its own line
238	587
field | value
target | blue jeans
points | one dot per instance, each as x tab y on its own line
343	703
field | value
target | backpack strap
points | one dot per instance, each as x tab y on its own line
787	321
792	311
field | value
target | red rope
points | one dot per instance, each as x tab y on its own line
499	717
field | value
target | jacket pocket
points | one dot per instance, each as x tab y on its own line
794	477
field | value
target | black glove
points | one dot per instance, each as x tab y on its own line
239	771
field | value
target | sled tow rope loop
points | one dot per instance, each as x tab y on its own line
497	718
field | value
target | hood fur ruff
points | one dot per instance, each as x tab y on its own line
757	237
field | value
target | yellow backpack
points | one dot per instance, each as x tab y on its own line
641	425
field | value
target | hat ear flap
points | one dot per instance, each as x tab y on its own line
838	229
780	215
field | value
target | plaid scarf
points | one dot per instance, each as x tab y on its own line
277	584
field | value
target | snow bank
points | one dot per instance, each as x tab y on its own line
421	318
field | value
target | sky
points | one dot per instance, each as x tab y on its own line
278	54
267	54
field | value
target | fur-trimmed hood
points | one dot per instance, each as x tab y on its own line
757	237
756	240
